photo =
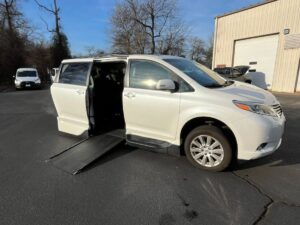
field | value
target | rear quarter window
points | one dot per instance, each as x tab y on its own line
74	73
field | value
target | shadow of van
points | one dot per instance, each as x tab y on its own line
258	79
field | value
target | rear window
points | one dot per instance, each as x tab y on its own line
74	73
27	73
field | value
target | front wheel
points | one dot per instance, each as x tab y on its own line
206	147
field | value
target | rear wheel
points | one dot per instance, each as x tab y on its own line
206	147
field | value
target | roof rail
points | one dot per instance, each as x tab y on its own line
113	55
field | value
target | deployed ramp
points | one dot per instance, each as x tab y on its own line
73	160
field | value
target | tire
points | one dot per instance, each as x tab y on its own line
210	143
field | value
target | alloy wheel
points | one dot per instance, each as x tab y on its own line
207	150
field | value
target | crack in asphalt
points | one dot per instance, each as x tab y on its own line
264	213
267	207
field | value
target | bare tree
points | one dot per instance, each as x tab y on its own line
55	12
9	11
19	46
209	52
197	50
39	57
12	19
60	46
93	51
172	42
13	42
153	15
128	36
145	25
122	27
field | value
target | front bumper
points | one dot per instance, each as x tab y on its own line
258	130
27	84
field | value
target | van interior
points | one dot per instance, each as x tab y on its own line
105	96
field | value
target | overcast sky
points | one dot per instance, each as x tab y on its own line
86	22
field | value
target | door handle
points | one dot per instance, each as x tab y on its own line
129	95
80	92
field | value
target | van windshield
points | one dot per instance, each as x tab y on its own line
199	73
28	73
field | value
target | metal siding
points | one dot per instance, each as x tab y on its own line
292	41
263	20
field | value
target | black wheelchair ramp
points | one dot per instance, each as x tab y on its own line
74	159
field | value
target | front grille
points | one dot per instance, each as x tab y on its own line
24	83
277	108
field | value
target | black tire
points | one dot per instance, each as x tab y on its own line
217	134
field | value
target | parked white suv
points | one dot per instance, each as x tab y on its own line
27	78
169	103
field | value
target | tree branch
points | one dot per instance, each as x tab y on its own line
142	23
47	27
44	7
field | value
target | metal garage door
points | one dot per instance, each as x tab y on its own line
260	54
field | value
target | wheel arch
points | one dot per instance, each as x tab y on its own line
198	121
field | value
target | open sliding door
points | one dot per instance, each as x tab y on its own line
70	95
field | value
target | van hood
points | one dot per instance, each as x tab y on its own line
247	92
27	78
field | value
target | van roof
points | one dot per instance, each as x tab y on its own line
26	69
118	57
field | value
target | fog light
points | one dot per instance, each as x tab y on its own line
261	146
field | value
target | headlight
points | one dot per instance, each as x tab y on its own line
17	81
258	108
37	80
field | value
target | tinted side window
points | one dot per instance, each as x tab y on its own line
145	74
74	73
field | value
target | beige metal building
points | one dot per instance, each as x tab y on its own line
265	36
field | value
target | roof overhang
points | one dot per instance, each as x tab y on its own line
246	8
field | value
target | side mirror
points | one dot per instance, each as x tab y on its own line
14	76
166	85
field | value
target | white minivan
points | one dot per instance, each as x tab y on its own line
27	78
168	103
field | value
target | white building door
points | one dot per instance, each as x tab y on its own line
260	54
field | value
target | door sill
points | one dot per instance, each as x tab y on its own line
153	145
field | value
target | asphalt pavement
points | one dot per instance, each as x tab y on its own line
133	186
